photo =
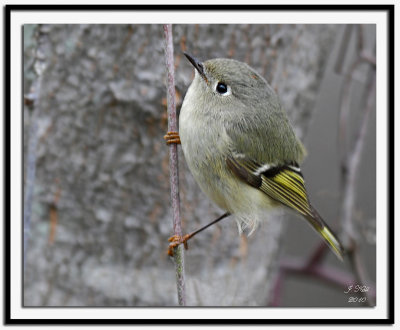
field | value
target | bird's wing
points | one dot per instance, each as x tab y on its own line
284	184
264	152
265	136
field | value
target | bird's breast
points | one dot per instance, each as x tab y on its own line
201	144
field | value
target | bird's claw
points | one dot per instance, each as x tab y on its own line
175	241
172	137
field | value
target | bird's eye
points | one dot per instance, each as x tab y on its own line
222	88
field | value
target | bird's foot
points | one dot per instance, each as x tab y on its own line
172	137
177	240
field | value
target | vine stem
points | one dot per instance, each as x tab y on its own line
173	163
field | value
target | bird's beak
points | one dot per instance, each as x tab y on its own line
198	65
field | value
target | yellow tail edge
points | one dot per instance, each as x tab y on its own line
332	242
330	238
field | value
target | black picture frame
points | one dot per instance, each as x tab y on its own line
9	9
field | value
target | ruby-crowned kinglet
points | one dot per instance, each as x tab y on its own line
241	148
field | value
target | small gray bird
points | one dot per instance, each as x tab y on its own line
241	148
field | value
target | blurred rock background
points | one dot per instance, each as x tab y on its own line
101	211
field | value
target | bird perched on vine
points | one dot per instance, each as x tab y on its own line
241	148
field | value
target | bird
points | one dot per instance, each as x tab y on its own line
241	148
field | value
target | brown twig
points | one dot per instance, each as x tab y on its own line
173	163
326	274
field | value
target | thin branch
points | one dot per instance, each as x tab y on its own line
318	255
343	49
327	274
173	163
344	111
360	38
368	58
317	271
275	299
349	189
351	159
354	158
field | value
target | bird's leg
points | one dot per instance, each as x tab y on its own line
172	137
177	240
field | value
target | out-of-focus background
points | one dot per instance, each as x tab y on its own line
97	206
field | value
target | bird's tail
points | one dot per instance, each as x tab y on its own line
322	228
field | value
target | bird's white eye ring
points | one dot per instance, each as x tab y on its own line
222	88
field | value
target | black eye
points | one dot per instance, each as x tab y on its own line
222	88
